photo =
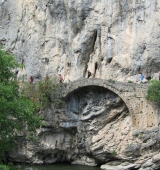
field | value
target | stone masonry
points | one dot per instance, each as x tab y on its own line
143	112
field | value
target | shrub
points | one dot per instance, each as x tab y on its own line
43	93
50	91
153	93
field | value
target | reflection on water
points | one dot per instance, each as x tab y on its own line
57	167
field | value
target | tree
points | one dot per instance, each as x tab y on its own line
153	93
17	112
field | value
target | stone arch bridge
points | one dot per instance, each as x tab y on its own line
144	114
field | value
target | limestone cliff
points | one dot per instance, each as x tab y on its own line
101	122
114	39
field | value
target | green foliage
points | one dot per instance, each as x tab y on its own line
114	152
31	92
33	15
111	81
140	135
23	40
129	81
50	90
8	167
7	63
43	93
153	93
4	167
17	112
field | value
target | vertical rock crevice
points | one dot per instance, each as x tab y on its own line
94	41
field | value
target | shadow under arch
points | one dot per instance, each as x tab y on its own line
85	103
112	86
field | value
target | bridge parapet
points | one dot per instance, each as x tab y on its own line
115	86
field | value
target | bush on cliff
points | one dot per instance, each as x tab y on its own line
43	93
50	91
153	93
17	112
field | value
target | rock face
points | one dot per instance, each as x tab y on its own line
87	132
113	39
96	127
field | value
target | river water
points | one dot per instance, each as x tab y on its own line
57	167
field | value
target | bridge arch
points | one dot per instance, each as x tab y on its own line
144	113
119	88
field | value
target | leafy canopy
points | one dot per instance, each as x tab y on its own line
153	93
17	112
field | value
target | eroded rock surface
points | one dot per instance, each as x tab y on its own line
95	128
84	133
113	39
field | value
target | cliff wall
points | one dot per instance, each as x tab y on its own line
113	39
101	122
